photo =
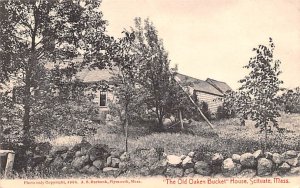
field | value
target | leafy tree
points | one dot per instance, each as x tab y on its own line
36	32
290	100
154	73
125	77
259	89
227	110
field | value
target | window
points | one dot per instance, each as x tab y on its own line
103	98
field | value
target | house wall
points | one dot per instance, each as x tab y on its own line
211	100
109	98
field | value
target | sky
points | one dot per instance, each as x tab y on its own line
214	38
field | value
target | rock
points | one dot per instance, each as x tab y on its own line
236	158
124	157
150	156
99	164
167	122
268	155
174	160
92	170
285	167
247	160
191	154
58	162
247	173
182	157
60	150
48	160
217	159
69	156
258	154
65	169
123	166
158	168
84	147
79	162
293	162
230	168
174	172
290	154
202	168
115	162
110	169
264	167
277	158
85	169
116	153
189	172
76	147
144	171
295	171
172	118
78	154
109	161
98	151
187	162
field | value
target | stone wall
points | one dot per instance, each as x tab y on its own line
100	160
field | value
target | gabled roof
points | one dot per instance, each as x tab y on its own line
199	85
94	75
221	86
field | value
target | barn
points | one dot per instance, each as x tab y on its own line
208	91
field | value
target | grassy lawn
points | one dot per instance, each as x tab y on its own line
228	137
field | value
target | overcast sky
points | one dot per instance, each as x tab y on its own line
214	38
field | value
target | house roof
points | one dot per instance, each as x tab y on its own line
199	85
221	86
94	75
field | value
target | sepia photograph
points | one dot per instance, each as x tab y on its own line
144	93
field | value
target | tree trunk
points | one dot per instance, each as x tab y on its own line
180	118
27	108
126	133
266	138
160	123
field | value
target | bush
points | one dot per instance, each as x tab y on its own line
224	113
205	110
290	101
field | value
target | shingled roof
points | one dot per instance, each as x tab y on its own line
199	85
221	86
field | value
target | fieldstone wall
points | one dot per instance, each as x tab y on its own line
101	160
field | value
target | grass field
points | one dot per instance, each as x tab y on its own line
228	137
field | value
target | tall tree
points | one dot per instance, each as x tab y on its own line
154	71
260	87
36	32
125	77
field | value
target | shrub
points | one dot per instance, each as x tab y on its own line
224	113
205	110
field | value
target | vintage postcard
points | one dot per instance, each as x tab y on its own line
149	93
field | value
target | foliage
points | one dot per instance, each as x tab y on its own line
205	110
39	35
154	73
259	89
290	100
229	104
146	86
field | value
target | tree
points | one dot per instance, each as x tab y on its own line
290	100
259	89
36	32
125	77
154	74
